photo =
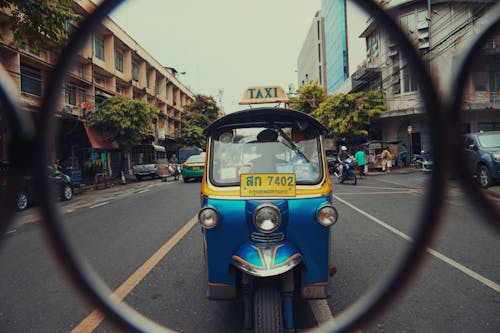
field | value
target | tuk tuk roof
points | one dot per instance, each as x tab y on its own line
264	116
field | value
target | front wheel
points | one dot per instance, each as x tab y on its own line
354	179
484	177
67	193
22	201
268	316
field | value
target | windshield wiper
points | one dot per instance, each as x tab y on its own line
293	146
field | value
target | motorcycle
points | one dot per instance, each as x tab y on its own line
423	161
344	172
172	170
266	214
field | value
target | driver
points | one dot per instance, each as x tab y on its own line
267	147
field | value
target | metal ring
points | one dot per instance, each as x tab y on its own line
363	309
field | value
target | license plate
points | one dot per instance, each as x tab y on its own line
196	168
267	185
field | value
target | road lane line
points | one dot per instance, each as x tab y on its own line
382	192
100	204
95	318
143	191
476	276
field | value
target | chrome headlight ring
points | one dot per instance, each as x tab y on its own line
267	217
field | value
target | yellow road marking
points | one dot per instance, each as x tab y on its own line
96	317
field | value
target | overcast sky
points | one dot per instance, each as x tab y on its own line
225	44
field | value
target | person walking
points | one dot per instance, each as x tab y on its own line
360	157
386	160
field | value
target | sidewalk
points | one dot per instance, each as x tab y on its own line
111	182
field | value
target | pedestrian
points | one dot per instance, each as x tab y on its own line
360	157
404	155
386	160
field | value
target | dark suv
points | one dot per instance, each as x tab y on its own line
25	193
483	153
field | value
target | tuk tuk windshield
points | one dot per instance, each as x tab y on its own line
264	150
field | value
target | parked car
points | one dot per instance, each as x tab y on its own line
483	154
25	193
193	167
148	160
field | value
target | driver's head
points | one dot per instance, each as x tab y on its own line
267	135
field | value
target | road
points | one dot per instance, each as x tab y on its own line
142	240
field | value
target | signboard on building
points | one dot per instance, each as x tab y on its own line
264	94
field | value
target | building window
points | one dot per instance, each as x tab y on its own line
98	48
395	80
408	23
372	46
320	77
319	52
70	94
118	61
82	71
409	80
319	34
31	80
99	80
135	72
147	78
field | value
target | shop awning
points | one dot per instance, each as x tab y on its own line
98	139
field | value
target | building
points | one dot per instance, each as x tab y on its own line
111	63
440	33
311	63
336	48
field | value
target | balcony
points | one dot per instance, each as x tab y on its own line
483	100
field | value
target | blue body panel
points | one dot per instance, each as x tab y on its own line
303	235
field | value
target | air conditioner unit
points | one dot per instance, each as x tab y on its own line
68	108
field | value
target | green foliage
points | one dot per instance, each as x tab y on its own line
37	20
198	115
308	98
127	121
348	115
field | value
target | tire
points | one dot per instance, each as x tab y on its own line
67	193
163	179
268	315
185	180
22	201
354	179
138	177
483	176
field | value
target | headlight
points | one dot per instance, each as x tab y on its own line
327	215
496	156
267	218
208	217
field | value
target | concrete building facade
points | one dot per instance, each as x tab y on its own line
311	63
111	63
440	33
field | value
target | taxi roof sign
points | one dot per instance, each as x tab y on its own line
264	94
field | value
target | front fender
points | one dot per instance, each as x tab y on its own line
264	260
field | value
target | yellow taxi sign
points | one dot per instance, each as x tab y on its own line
267	185
264	94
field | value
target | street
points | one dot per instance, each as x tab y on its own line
144	241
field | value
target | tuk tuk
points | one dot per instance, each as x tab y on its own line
266	213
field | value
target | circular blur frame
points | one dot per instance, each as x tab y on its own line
369	305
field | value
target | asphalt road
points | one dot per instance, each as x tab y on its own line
142	240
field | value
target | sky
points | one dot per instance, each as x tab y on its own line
225	45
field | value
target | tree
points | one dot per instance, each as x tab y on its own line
349	115
198	115
38	20
128	122
308	98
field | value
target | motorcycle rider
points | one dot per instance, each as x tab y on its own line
341	157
